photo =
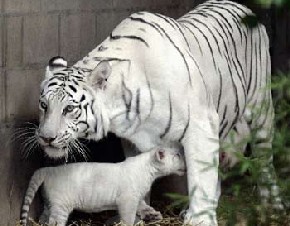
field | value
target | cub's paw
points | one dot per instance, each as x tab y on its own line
149	214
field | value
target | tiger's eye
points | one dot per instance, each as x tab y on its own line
43	105
69	108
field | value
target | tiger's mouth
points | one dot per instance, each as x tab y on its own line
53	152
181	172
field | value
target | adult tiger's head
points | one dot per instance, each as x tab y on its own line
71	106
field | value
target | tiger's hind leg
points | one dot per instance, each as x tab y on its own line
261	146
235	143
43	219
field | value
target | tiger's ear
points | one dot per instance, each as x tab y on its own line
160	155
53	64
98	77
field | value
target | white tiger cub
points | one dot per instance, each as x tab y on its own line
94	187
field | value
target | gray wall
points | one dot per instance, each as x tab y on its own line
31	32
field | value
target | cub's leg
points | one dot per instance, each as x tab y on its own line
43	219
145	211
127	207
148	213
58	215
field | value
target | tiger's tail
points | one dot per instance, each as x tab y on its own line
35	182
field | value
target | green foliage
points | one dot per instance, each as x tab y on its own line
250	20
277	3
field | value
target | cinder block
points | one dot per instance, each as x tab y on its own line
14	176
1	45
88	33
127	4
40	41
23	104
22	6
163	3
78	35
106	22
14	41
95	5
2	96
70	37
59	5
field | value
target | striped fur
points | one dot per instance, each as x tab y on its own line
35	182
189	82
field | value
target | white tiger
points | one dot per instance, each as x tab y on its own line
94	187
159	81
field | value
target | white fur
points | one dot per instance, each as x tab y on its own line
93	187
170	70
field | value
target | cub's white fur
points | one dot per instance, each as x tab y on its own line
93	187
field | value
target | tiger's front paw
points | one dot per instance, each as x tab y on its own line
149	214
199	220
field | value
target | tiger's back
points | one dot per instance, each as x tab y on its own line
210	42
233	57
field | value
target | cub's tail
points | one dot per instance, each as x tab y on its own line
35	182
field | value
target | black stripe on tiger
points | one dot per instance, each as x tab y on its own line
52	84
210	31
223	128
236	20
191	32
204	36
146	23
227	33
186	126
132	37
174	25
225	21
127	97
111	59
138	104
152	103
177	48
169	120
72	88
220	89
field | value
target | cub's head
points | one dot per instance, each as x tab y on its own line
168	161
71	107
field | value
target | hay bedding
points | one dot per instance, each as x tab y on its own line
241	210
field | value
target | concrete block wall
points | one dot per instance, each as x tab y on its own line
31	32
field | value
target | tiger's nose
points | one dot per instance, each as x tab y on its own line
47	140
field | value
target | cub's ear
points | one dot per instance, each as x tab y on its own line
54	63
98	77
160	155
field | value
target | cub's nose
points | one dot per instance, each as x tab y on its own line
47	140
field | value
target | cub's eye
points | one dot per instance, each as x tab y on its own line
68	109
43	106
